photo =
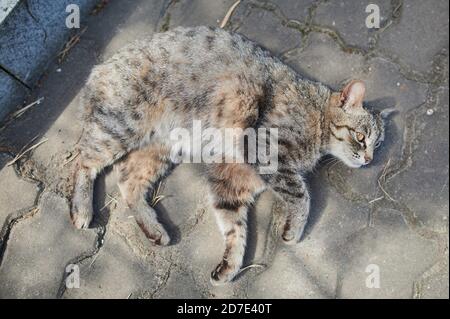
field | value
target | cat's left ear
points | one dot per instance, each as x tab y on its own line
352	96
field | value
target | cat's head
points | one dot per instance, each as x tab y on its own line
355	132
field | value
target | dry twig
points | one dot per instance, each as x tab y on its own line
70	44
23	152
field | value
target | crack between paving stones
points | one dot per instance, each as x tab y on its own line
165	16
15	77
165	278
417	290
7	229
99	242
163	284
308	27
36	20
410	138
20	215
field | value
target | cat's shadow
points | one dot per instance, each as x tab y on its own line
252	237
101	210
318	194
172	229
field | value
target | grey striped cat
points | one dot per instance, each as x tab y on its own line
134	100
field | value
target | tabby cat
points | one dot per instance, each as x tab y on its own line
134	100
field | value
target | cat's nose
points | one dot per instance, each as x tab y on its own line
367	159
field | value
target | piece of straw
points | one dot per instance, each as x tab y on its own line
20	112
71	158
156	197
22	153
229	13
383	176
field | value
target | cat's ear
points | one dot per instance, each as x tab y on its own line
387	112
352	96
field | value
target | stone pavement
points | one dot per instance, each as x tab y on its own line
390	217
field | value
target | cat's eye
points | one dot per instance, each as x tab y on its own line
360	137
377	144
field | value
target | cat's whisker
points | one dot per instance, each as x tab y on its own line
331	163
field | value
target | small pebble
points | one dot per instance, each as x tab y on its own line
398	83
58	70
430	112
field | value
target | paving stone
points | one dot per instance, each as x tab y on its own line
265	28
116	272
32	35
16	193
297	10
428	168
323	60
130	20
420	34
387	87
348	18
180	285
293	280
22	42
38	250
399	254
12	94
194	13
436	286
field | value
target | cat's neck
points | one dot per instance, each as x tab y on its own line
301	111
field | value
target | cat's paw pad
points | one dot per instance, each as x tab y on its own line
155	233
290	237
292	233
222	274
81	218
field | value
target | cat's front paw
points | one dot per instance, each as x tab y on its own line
155	233
292	233
222	274
81	217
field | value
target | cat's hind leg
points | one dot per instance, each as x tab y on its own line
233	188
95	155
139	172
